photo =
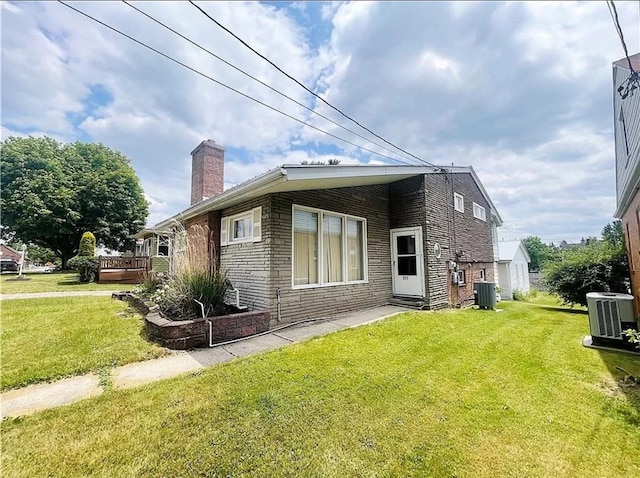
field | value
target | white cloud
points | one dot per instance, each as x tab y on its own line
520	91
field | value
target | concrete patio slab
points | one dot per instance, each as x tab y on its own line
27	400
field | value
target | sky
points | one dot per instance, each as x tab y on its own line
520	91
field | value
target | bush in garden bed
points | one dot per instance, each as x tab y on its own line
180	296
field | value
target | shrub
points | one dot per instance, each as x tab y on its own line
87	245
597	266
634	337
151	282
87	267
177	297
86	262
518	295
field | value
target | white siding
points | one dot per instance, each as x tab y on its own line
514	274
626	163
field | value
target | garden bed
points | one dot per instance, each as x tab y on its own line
186	334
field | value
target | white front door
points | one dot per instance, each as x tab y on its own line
406	261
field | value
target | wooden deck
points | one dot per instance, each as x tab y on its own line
123	270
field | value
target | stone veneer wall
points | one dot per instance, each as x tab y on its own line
369	202
456	232
427	201
248	264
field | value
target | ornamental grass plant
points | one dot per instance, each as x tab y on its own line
197	288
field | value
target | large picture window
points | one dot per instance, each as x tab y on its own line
328	248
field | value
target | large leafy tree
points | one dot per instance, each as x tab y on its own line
539	252
53	192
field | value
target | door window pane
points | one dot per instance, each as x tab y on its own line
332	247
406	244
407	266
305	247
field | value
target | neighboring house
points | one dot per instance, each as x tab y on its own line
314	241
7	252
626	116
513	268
156	244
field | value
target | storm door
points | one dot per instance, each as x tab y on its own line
407	262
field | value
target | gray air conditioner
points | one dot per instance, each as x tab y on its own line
609	315
485	294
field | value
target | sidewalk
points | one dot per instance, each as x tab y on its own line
33	398
42	295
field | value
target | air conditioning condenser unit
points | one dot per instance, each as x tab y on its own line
609	315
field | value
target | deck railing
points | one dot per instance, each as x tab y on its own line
126	263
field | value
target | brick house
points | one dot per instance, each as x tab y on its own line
307	241
7	252
626	114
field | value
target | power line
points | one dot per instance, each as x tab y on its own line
254	78
230	87
633	80
305	87
614	16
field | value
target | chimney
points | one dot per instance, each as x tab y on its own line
207	171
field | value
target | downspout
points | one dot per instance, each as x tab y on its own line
278	302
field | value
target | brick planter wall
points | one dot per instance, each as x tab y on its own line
186	334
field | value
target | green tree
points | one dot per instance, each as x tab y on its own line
539	252
612	234
593	266
52	192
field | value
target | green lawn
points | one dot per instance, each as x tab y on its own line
52	282
43	339
461	393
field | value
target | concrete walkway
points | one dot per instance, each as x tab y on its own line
43	295
31	399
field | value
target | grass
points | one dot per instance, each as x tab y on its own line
455	393
44	339
52	282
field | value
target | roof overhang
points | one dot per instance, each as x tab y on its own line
150	232
313	177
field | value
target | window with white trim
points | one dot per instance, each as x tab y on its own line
328	248
461	277
483	274
243	227
458	202
163	245
479	212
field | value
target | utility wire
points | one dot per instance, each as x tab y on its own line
632	82
614	16
256	79
305	87
229	87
